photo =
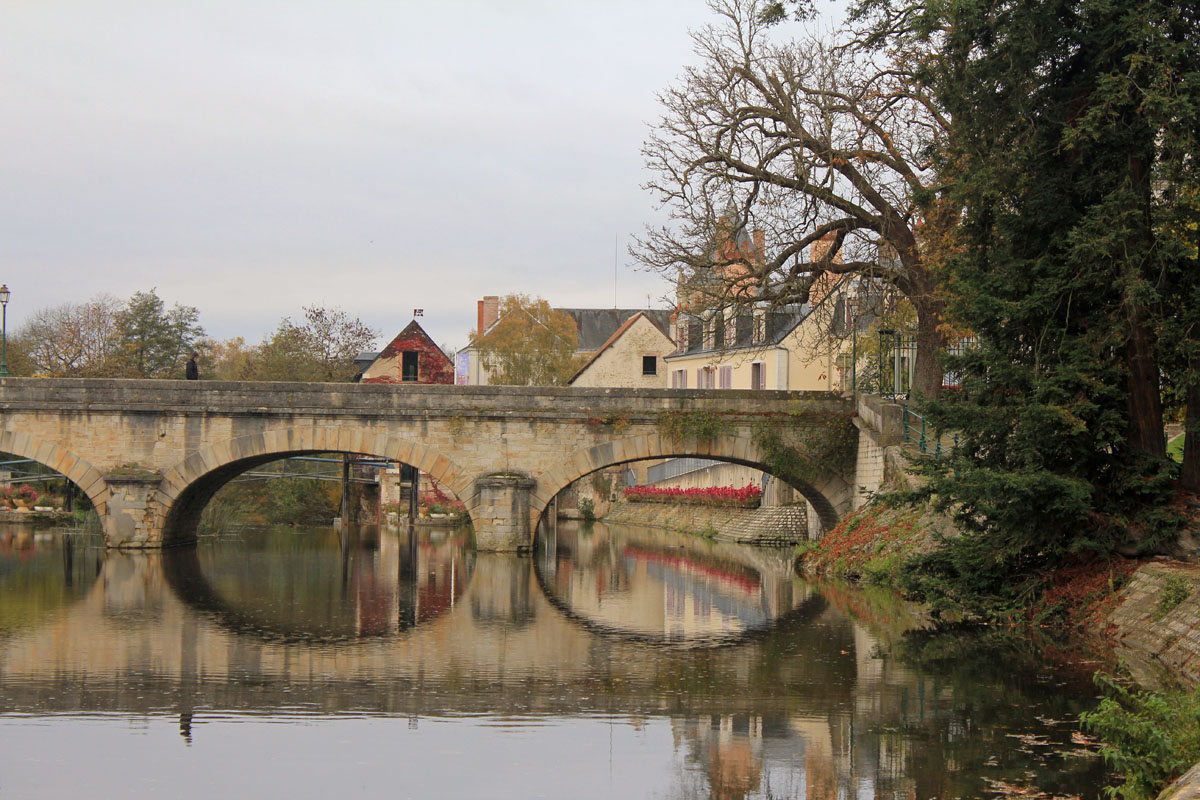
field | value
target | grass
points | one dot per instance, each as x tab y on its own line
1175	590
1175	447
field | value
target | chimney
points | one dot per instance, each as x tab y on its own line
489	312
760	243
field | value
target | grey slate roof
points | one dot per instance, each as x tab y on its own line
779	322
596	325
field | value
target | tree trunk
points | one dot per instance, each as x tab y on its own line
927	380
1189	477
1143	393
1143	401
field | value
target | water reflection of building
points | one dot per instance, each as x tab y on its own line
727	749
650	584
410	579
700	598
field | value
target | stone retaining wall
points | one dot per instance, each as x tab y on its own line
1169	645
1150	646
774	526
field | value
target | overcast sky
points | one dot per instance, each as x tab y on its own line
250	157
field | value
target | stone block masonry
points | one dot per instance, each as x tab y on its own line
1150	640
1156	638
774	526
184	440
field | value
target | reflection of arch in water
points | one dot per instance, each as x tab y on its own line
62	573
798	617
418	595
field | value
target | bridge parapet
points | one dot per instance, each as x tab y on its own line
198	435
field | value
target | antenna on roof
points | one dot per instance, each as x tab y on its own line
616	248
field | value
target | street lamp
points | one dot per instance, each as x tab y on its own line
4	293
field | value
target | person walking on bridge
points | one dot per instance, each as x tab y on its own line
193	369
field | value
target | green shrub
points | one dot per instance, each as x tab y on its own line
588	509
882	570
1149	737
1176	589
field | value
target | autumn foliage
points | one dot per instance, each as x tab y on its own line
531	344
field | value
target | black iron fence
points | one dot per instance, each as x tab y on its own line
889	370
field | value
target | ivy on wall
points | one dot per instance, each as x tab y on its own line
680	425
802	441
800	445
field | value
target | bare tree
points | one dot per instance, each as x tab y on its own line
333	338
78	340
808	141
321	348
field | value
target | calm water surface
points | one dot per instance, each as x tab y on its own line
618	662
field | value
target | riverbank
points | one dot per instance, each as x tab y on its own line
39	519
1146	611
773	526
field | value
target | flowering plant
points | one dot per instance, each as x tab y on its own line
438	502
749	496
24	493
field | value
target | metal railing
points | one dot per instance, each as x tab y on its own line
928	441
676	467
26	470
891	371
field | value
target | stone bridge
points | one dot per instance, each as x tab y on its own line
151	454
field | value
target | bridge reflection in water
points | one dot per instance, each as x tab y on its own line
722	675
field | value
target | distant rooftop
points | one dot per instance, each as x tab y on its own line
596	325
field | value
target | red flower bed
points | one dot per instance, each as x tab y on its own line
11	494
748	496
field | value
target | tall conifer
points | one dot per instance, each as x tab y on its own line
1070	152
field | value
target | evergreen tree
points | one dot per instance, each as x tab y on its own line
153	340
1072	136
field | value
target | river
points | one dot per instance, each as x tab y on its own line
617	662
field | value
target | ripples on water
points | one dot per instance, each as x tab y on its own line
617	662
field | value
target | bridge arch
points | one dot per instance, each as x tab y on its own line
89	479
827	493
188	486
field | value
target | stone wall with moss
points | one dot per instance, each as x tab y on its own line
1156	622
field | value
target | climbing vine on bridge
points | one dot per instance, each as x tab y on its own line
614	421
799	442
680	425
805	441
